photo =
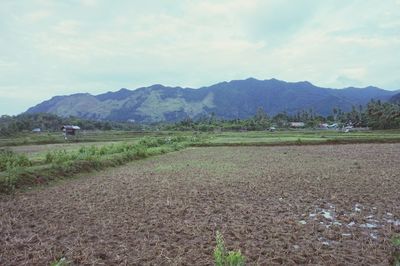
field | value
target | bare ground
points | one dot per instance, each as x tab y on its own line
320	205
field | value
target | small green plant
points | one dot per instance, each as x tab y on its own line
61	262
222	257
396	253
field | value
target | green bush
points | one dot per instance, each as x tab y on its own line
9	179
222	257
10	159
60	156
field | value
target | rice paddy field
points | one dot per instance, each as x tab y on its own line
280	205
299	137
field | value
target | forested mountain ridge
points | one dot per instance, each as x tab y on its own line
395	98
227	100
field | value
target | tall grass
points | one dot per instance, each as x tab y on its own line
9	159
18	171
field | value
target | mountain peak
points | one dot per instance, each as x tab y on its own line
251	79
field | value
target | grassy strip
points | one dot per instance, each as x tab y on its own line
295	143
62	164
82	137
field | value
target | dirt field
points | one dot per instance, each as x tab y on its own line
320	205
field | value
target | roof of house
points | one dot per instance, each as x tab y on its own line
70	127
297	123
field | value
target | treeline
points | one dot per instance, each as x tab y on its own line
376	115
10	125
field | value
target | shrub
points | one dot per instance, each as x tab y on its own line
59	157
9	179
222	257
10	159
141	151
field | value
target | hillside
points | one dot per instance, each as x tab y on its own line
395	98
228	100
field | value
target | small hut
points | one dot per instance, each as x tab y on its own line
69	130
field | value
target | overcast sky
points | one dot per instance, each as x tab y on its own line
50	47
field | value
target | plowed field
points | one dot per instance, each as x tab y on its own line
324	205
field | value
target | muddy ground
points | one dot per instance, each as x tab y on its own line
320	205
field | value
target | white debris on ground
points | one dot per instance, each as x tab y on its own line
358	218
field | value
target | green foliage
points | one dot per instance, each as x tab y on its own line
10	125
396	253
383	115
396	241
62	163
377	115
61	262
9	159
222	257
9	180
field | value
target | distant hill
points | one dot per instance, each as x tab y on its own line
395	98
228	100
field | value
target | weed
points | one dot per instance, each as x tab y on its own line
222	257
10	159
396	253
61	262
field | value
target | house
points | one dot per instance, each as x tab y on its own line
69	130
297	124
323	126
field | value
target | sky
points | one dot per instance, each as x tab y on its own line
50	47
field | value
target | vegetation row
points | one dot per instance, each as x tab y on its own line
375	115
18	171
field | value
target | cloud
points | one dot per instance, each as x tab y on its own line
62	47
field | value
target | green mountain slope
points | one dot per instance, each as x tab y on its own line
234	99
395	98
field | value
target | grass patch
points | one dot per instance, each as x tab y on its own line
20	172
10	159
299	138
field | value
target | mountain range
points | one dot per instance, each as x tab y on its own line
395	98
228	100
